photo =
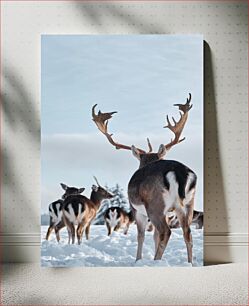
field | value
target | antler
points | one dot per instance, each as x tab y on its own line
149	145
101	120
178	127
96	180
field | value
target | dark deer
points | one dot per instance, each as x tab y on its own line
55	210
197	220
158	186
79	210
116	218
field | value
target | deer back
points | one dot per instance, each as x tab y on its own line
74	201
153	178
55	211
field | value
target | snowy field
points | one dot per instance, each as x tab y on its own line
118	250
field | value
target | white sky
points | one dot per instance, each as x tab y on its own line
141	77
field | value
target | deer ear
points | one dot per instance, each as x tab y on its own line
64	186
135	152
80	190
94	188
161	151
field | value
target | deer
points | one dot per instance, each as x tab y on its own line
79	210
116	218
159	185
197	220
56	222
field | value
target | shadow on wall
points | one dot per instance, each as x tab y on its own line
214	196
19	116
94	15
18	106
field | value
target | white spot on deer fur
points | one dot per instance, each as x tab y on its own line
59	213
52	213
56	216
141	220
190	179
171	218
113	220
70	215
59	219
140	209
171	197
81	213
189	194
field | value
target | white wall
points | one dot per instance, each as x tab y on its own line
224	26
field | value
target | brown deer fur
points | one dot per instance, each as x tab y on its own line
79	210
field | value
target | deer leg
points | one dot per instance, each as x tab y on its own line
185	219
117	227
156	239
79	232
189	212
109	230
51	227
126	228
163	235
57	229
141	221
87	231
73	233
57	234
68	225
189	242
69	235
187	232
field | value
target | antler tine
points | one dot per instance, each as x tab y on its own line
178	126
169	125
96	180
185	107
101	120
149	145
188	99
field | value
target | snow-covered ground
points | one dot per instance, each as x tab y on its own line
118	250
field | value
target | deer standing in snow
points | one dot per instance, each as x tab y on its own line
116	218
173	222
158	186
79	210
56	222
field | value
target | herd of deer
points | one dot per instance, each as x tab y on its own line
74	208
161	191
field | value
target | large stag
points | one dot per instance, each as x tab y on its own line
158	186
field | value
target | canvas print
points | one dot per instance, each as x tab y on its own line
121	150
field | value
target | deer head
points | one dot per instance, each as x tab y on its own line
99	193
70	190
102	119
